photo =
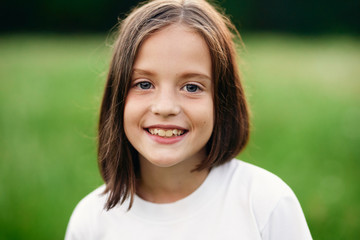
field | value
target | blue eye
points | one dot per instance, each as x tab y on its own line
144	85
191	88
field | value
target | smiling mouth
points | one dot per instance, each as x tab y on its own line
166	133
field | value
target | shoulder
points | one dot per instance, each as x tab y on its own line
256	181
91	204
270	200
260	182
254	184
262	191
82	221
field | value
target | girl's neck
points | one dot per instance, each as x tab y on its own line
168	184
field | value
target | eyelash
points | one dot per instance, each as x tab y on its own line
146	85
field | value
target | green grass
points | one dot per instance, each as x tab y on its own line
304	95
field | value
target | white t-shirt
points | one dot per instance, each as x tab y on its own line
237	200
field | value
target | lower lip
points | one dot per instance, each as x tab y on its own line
163	140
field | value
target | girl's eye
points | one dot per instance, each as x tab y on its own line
144	85
191	88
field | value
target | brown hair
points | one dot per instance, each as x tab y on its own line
117	159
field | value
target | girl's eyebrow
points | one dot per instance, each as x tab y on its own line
195	75
143	72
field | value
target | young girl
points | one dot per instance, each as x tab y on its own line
173	118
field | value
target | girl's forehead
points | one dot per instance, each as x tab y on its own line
178	34
175	49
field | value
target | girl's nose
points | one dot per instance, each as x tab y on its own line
166	104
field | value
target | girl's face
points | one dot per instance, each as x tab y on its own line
169	110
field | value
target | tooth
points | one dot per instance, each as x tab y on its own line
168	133
161	133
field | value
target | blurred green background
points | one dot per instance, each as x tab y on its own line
301	78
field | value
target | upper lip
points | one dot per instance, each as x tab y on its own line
166	126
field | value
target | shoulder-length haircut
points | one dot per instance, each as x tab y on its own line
117	159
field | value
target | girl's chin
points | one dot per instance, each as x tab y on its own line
163	162
162	159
